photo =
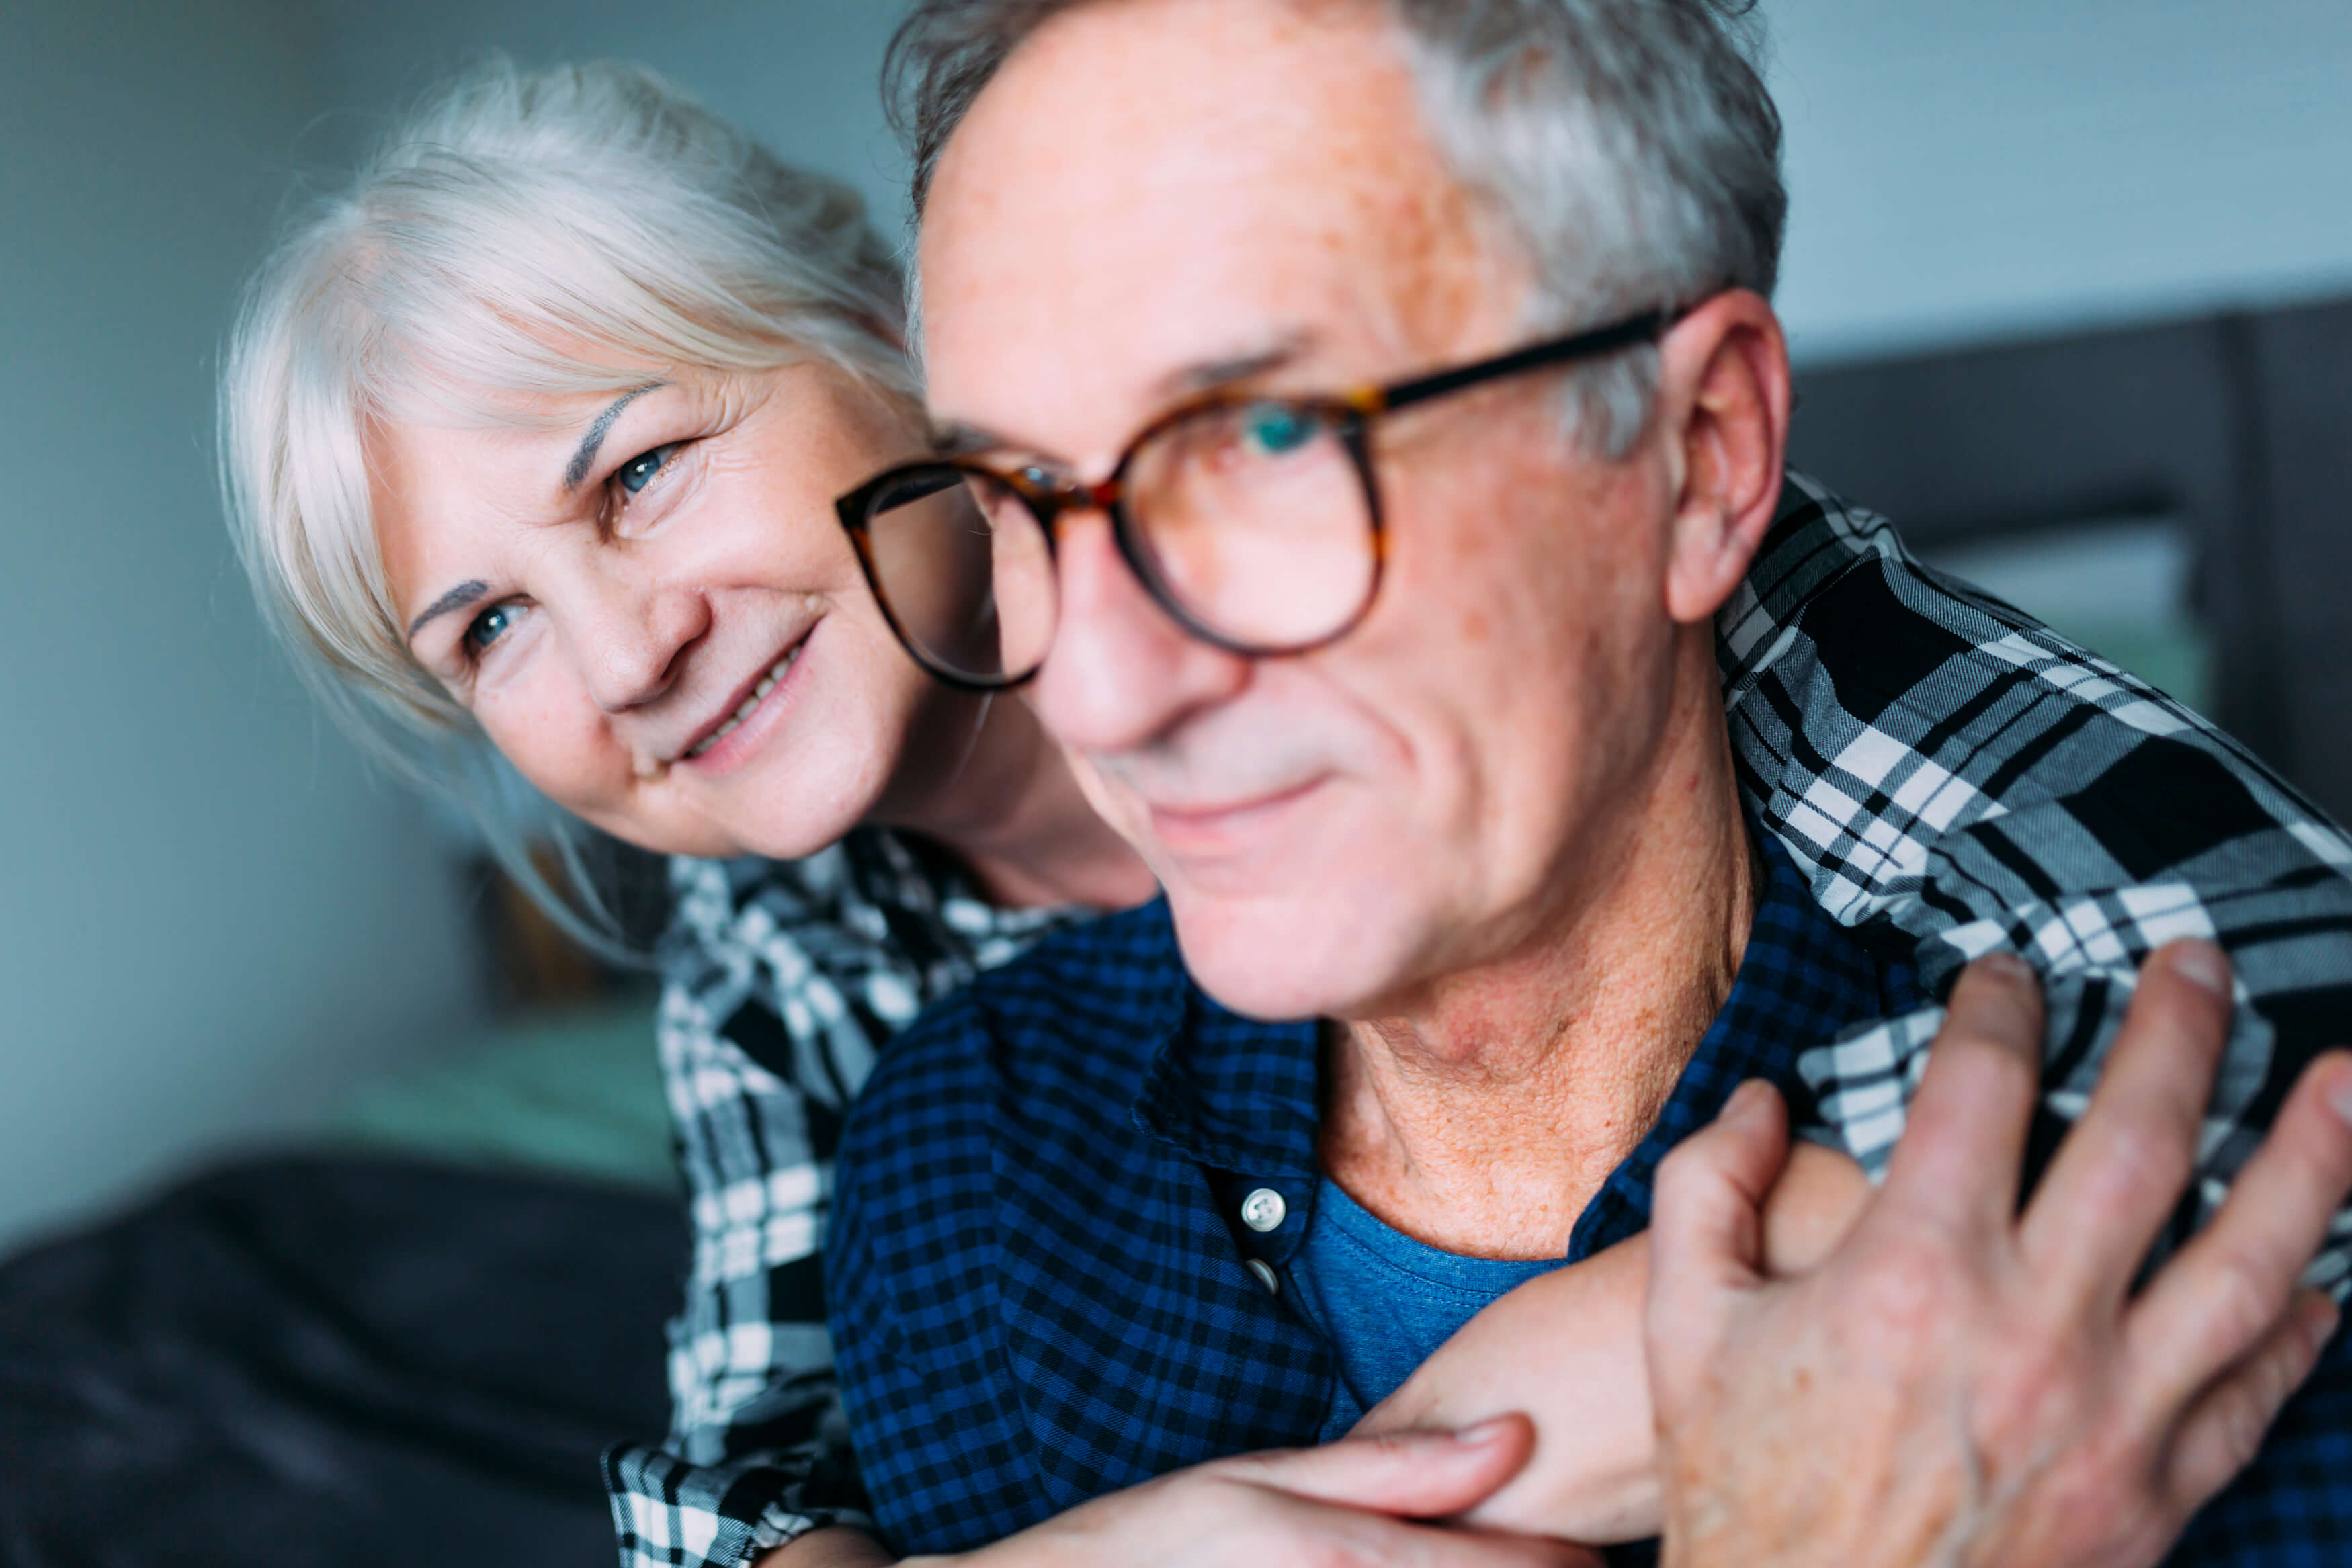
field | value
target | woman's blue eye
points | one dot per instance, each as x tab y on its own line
1275	431
638	471
489	626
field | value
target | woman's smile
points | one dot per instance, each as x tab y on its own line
738	730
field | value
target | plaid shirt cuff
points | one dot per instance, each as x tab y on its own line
668	1513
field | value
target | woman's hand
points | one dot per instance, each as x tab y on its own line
1565	1349
1959	1384
1350	1504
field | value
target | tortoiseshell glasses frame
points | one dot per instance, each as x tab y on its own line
929	556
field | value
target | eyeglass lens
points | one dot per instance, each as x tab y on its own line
1252	517
1255	517
965	570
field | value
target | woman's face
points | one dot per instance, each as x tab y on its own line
647	602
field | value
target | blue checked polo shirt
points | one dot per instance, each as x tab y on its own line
1043	1290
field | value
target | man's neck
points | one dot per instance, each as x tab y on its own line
1012	811
1484	1118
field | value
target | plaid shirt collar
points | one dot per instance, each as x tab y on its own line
1235	1094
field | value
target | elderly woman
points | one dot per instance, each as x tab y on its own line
532	438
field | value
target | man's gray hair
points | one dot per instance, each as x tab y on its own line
1629	145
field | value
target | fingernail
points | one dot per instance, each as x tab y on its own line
2007	965
1491	1430
2201	964
2339	1096
1745	1101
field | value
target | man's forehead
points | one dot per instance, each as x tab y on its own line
1151	190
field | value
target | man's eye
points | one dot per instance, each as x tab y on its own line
490	625
1277	430
638	471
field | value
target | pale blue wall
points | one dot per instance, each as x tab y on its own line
799	74
210	924
1960	168
1971	168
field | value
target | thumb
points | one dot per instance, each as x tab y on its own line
1411	1474
1706	1223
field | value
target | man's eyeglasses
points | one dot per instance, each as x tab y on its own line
1254	521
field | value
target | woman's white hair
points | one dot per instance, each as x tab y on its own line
542	232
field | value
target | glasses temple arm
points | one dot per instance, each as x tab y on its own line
1644	328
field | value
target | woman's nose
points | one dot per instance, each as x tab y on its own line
634	636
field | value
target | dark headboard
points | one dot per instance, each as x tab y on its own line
2239	425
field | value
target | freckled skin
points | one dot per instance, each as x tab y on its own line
1494	863
1379	255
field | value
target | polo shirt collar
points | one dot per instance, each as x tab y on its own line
1242	1096
1232	1093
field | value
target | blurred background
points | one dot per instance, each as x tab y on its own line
2062	280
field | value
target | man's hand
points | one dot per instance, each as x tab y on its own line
1350	1504
1565	1350
1958	1384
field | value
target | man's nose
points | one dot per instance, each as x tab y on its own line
632	631
1120	672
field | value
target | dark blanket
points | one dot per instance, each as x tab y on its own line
333	1361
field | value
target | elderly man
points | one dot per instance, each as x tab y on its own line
1559	772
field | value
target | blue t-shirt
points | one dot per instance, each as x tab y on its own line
1385	1300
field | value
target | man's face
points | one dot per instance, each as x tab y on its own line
1152	195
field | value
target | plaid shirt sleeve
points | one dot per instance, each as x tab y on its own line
1954	778
781	981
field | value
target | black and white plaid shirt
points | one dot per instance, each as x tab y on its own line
1950	778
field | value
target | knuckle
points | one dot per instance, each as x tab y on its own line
1907	1290
2101	1480
2274	1375
2313	1154
1684	1167
2241	1300
2241	1416
2143	1159
2038	1391
1396	1445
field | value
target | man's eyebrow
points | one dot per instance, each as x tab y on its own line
577	469
1207	375
954	438
457	598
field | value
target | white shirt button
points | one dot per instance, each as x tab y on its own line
1265	1272
1263	1210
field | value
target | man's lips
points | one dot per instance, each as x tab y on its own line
741	705
1206	827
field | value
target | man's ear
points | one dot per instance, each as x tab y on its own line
1723	403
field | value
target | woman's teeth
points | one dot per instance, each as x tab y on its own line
758	694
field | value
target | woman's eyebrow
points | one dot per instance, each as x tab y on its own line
582	460
457	598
